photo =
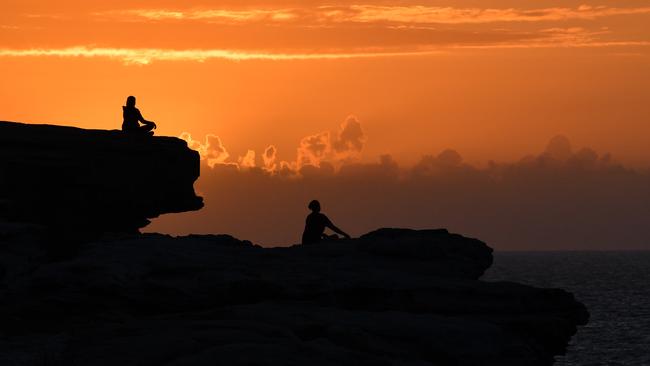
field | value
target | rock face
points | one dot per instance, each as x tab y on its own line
391	297
91	180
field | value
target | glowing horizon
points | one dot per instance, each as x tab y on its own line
449	94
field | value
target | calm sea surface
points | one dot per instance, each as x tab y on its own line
615	287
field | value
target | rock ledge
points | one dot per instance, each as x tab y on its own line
92	180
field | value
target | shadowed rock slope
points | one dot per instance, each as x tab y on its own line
391	297
78	180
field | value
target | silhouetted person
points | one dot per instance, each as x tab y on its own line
133	117
315	226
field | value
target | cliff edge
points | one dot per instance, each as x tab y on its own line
92	180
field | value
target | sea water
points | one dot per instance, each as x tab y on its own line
615	287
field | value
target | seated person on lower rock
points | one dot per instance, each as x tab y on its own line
315	226
133	117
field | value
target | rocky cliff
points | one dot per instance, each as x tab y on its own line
108	295
90	180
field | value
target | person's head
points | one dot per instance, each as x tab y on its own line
130	101
314	206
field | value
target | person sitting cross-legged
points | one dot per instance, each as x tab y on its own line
133	117
315	226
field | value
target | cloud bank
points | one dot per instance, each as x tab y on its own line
561	198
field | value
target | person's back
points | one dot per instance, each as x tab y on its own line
315	225
131	117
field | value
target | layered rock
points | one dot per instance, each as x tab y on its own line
80	180
393	296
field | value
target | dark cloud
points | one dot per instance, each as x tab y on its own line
444	162
558	148
558	199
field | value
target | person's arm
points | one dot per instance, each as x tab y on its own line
141	119
336	229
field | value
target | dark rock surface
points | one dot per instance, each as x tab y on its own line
391	297
78	180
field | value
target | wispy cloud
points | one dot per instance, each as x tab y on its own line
145	56
215	15
47	16
559	44
411	14
304	32
549	38
449	15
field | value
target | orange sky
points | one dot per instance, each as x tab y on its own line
292	100
491	79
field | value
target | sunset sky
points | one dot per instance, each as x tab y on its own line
287	84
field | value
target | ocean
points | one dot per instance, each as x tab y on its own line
615	287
